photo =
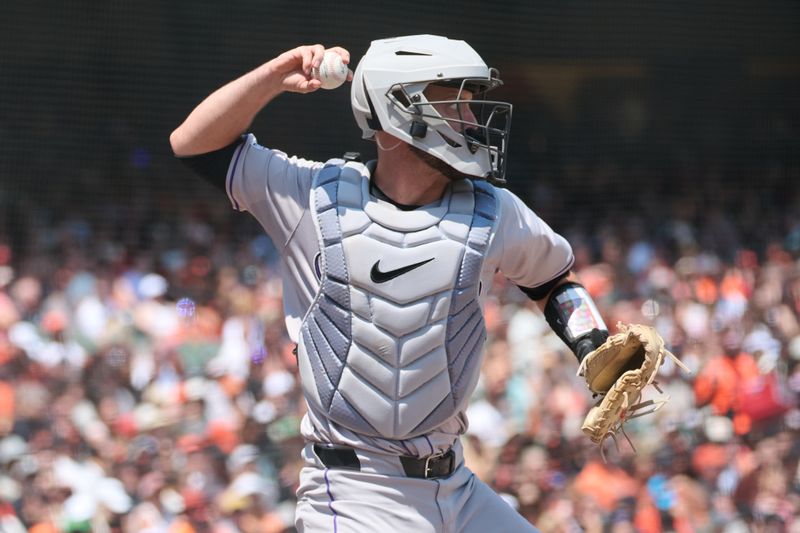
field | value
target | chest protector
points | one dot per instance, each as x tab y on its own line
392	344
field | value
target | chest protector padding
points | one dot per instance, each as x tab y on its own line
391	346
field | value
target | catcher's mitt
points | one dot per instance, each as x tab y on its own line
619	370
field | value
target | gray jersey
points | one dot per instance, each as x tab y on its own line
276	190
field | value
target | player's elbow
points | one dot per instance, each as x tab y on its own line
178	143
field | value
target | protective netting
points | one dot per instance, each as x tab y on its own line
140	316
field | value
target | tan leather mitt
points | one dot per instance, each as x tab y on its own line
620	369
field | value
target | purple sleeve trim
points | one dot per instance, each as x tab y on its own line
330	500
232	173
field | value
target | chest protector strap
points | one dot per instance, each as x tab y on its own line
391	345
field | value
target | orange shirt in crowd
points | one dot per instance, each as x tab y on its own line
6	407
718	383
44	527
607	484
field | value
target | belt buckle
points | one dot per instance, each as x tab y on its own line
436	457
428	463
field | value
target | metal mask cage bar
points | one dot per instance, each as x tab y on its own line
484	134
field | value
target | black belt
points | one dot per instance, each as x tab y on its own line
431	467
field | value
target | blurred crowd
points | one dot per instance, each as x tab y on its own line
155	390
146	380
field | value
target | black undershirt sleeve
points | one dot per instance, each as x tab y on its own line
213	166
537	293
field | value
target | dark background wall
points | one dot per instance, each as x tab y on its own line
654	108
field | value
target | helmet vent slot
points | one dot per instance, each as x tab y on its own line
401	98
410	53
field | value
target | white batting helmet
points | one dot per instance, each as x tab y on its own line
387	94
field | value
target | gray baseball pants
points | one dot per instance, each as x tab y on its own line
381	498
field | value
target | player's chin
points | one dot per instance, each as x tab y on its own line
440	166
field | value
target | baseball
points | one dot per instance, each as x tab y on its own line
332	72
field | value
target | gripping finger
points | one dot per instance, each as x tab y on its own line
317	53
307	53
308	86
345	55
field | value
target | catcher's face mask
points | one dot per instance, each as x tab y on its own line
456	121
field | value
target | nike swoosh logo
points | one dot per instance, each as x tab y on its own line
378	276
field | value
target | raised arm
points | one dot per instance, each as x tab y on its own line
227	112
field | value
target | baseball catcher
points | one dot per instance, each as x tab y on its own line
386	265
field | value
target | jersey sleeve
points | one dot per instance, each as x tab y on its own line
271	186
531	253
212	166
